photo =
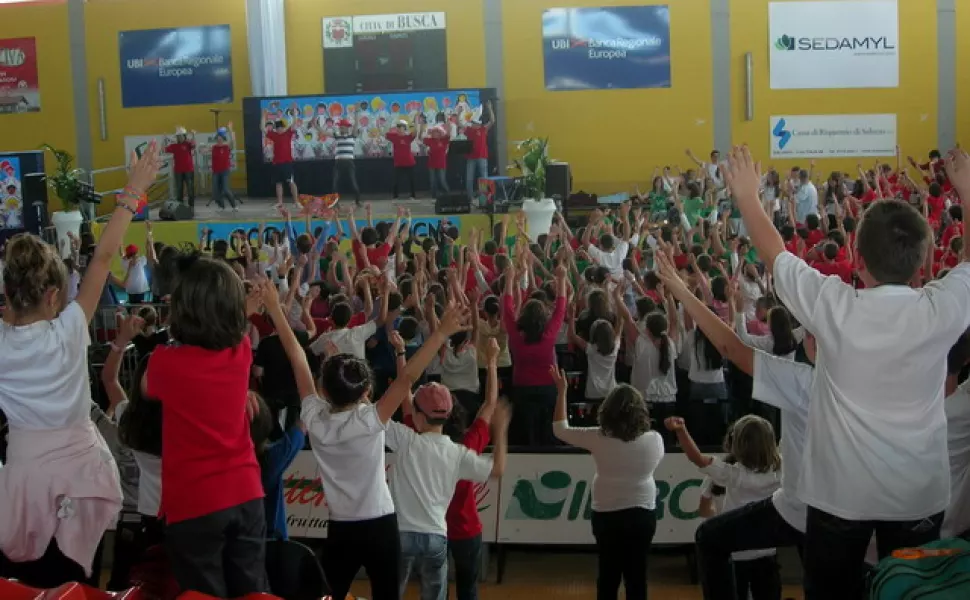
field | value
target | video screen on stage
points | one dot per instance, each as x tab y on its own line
316	119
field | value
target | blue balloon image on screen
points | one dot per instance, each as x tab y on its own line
606	48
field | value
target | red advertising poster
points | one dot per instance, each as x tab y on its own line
19	86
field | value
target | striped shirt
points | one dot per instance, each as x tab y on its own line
346	146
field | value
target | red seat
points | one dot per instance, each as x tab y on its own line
11	590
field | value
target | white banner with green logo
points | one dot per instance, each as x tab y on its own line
541	499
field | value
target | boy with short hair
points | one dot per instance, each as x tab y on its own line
877	429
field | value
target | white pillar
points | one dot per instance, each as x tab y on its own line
266	29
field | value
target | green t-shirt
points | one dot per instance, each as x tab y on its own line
694	209
657	202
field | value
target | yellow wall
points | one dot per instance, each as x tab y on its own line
963	73
914	101
104	19
304	37
54	124
612	139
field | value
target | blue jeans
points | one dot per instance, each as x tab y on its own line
468	563
439	182
221	190
428	553
476	168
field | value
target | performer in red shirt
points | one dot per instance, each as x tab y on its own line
183	159
401	139
222	165
437	141
282	139
477	134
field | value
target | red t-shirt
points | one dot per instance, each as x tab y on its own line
936	206
437	152
376	256
221	158
814	237
210	463
478	136
869	196
263	324
403	155
792	247
954	230
282	146
182	156
840	268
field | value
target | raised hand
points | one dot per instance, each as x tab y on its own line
397	342
559	377
491	351
454	320
958	170
129	326
675	424
743	174
270	296
142	173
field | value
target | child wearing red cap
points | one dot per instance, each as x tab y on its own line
429	465
136	278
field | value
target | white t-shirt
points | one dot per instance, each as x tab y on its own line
624	470
601	376
957	518
44	372
806	201
611	260
460	371
350	340
426	470
349	448
765	343
742	486
786	385
750	292
137	276
646	376
149	483
877	428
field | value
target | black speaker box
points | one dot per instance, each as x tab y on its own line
176	211
455	203
559	181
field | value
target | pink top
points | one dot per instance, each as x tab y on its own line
59	484
531	362
756	327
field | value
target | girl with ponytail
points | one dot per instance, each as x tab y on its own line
783	340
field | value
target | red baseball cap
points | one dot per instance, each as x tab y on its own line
434	401
131	250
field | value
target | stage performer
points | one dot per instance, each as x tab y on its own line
344	165
282	139
437	140
477	166
401	139
183	159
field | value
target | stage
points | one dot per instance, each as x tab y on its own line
263	209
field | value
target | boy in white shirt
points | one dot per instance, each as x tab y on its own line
428	466
876	429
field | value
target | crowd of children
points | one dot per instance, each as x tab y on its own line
703	304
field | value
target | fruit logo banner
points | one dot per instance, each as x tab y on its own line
620	47
19	85
316	118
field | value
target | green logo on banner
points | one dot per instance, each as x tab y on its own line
553	494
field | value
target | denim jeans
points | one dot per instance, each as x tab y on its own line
428	553
476	168
439	182
221	191
755	526
183	181
468	562
835	550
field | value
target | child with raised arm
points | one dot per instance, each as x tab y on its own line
54	450
879	384
347	434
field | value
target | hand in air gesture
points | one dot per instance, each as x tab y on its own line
455	319
559	377
675	424
743	175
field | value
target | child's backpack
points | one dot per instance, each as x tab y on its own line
937	571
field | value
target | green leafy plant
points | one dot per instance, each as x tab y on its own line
533	163
67	180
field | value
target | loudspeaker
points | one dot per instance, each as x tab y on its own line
176	211
34	191
559	181
455	203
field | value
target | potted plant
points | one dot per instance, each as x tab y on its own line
67	183
533	163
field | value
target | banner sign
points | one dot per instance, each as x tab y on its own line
834	45
833	136
307	514
315	119
172	67
19	85
420	228
11	194
606	48
546	499
339	32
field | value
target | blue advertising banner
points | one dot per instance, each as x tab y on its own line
620	47
171	67
315	119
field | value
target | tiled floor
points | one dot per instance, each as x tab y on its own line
533	576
